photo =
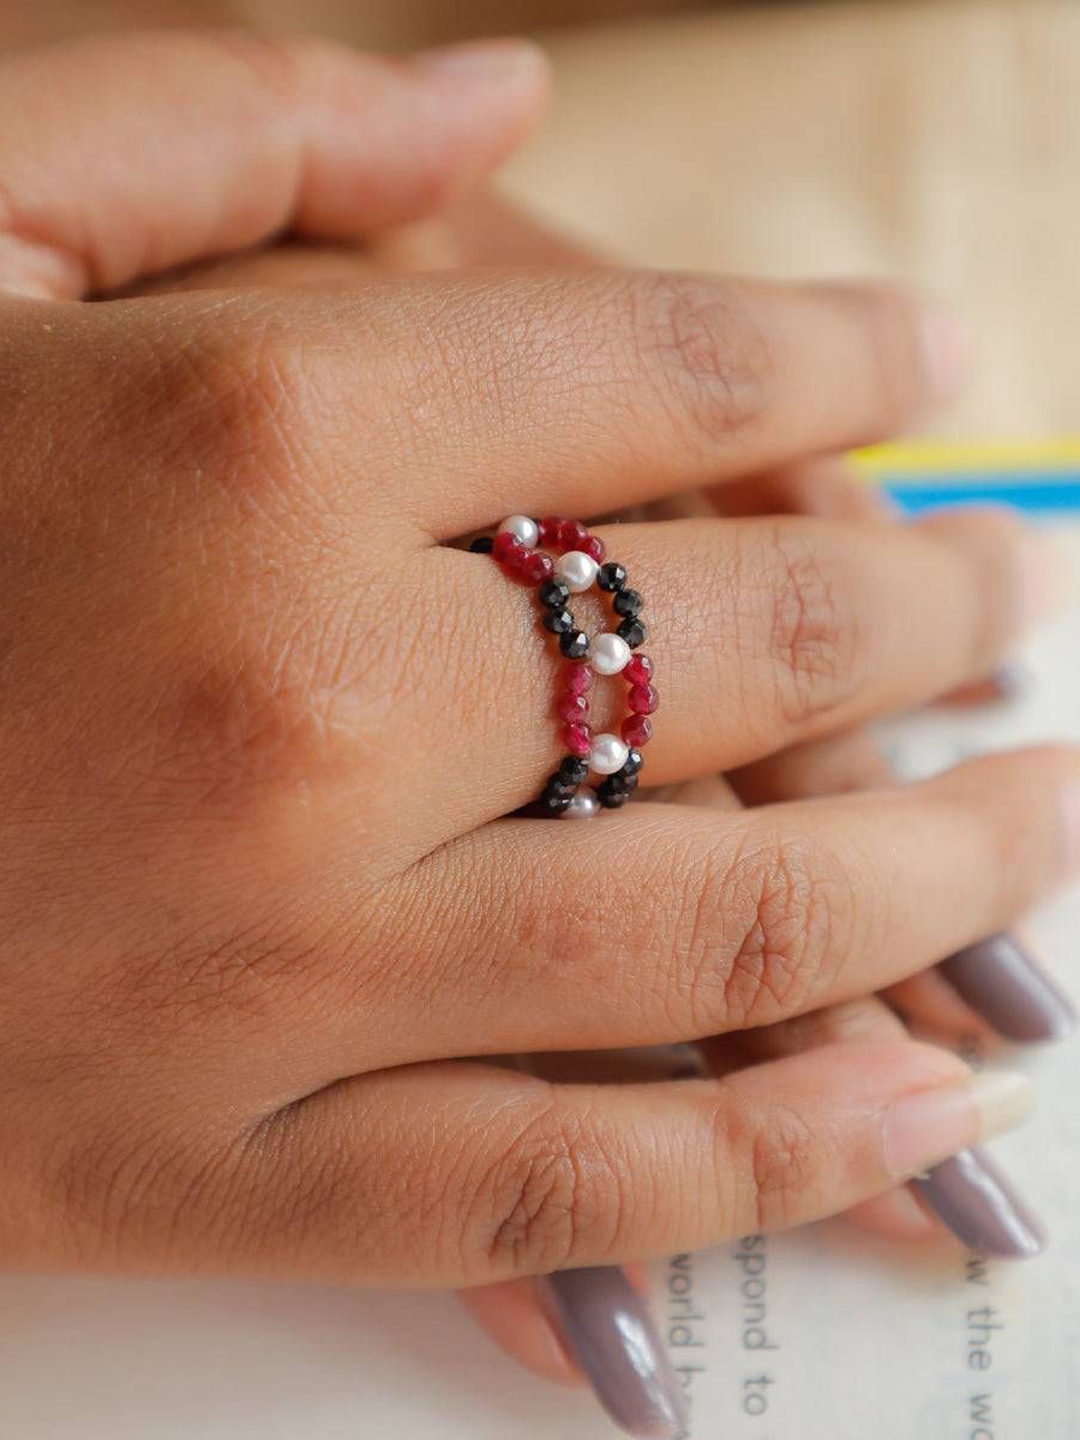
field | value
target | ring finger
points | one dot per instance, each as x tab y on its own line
767	632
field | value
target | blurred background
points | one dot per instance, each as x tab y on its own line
932	139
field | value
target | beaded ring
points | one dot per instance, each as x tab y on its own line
580	563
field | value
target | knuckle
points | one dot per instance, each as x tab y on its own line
780	1156
816	639
122	1193
709	360
544	1200
787	923
231	402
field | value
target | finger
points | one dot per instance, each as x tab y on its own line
896	1215
600	1325
238	138
832	489
483	230
529	1178
994	986
684	923
766	632
967	1197
512	1314
828	487
967	1194
584	391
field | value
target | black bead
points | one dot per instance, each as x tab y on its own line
623	784
633	631
629	603
611	576
574	770
609	797
632	764
555	803
554	594
482	545
559	622
575	643
558	786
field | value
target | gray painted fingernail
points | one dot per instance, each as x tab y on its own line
1011	681
971	1196
608	1327
1003	984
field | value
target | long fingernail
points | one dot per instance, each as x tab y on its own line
947	350
608	1327
483	61
971	1196
1001	982
1011	681
923	1129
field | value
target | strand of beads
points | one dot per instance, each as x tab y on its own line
578	566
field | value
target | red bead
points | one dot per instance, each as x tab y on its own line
638	670
579	679
643	699
507	548
573	708
537	568
571	534
577	737
637	730
549	529
592	545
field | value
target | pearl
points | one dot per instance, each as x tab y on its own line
608	754
610	653
583	806
524	529
576	570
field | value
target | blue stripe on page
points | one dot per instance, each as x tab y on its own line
1038	492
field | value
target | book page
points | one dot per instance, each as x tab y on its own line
825	1334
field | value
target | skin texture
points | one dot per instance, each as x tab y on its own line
227	898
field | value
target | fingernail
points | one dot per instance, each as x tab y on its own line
973	1199
1047	582
1001	982
608	1327
483	62
925	1128
947	350
1011	681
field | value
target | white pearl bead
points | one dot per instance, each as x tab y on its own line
610	654
583	806
608	754
526	530
576	570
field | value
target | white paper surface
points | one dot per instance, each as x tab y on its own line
838	1337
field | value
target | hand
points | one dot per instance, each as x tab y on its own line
253	865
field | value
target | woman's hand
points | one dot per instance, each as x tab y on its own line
261	726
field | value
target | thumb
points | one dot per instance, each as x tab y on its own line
123	157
